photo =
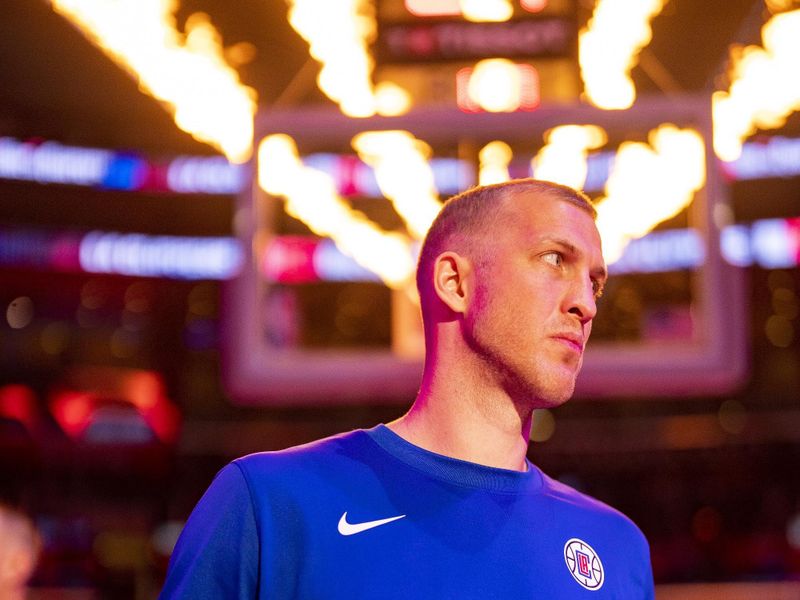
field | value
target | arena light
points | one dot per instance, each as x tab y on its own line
205	175
353	177
174	257
764	88
494	158
310	196
72	411
534	6
564	157
775	243
391	99
649	184
93	410
472	10
401	167
433	8
50	162
497	85
776	157
487	10
609	46
186	71
338	34
662	251
18	403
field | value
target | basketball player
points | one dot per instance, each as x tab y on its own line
443	502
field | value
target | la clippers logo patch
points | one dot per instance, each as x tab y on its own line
584	564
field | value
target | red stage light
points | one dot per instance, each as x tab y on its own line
102	393
18	403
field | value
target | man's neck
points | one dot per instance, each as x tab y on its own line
468	424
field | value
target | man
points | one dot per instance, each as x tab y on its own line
20	544
442	503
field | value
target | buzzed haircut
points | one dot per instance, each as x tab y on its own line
477	210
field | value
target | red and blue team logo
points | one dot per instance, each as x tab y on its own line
584	564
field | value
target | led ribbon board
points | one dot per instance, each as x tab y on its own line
709	355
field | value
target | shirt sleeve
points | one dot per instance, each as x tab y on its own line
646	576
217	554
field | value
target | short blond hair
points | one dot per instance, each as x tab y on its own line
478	210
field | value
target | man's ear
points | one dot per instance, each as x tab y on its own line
452	280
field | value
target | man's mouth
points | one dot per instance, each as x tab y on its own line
574	341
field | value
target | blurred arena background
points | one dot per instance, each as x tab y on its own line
209	213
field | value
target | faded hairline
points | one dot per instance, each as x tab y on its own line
479	210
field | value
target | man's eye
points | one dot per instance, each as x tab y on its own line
554	258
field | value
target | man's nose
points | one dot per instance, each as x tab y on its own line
581	301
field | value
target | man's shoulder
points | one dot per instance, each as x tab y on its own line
575	499
581	506
326	451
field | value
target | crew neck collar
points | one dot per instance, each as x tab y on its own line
457	471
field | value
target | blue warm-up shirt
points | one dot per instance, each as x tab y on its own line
366	514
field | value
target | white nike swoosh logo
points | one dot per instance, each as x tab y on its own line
346	528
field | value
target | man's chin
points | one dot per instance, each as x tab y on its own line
559	391
543	389
554	401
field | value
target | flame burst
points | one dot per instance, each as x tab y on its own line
186	71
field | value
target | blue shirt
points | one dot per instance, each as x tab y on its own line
368	515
